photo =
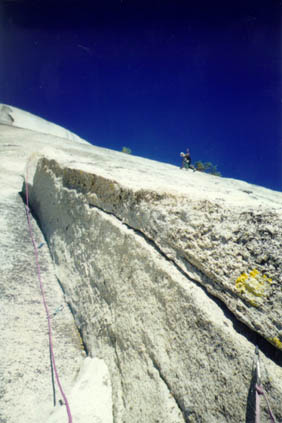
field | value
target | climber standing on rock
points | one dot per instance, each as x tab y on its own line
186	160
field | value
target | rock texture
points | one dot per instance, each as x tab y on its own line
10	115
90	398
213	234
26	392
172	277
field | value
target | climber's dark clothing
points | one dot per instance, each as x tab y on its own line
186	161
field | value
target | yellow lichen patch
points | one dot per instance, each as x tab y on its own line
253	302
253	286
276	341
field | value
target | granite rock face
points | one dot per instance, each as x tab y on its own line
134	261
26	391
10	115
173	277
90	397
227	242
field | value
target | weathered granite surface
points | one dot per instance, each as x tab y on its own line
10	115
172	276
26	392
215	235
90	397
137	258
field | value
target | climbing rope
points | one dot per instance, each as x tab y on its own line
260	391
53	364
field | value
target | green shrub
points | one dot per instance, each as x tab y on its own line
126	150
199	165
207	167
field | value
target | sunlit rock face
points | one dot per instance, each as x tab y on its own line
144	253
173	277
27	394
10	115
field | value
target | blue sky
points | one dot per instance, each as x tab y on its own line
155	76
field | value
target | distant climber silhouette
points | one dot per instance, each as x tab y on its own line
186	160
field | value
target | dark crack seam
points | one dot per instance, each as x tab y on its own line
77	325
80	331
120	372
36	219
253	337
184	411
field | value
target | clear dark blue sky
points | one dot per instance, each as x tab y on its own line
156	76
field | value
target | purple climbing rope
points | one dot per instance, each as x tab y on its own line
44	301
260	391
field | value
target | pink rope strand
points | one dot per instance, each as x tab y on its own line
261	391
44	302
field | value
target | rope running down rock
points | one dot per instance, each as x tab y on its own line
44	302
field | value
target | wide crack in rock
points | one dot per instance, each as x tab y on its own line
136	268
211	245
247	331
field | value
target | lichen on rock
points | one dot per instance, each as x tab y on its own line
172	279
253	287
